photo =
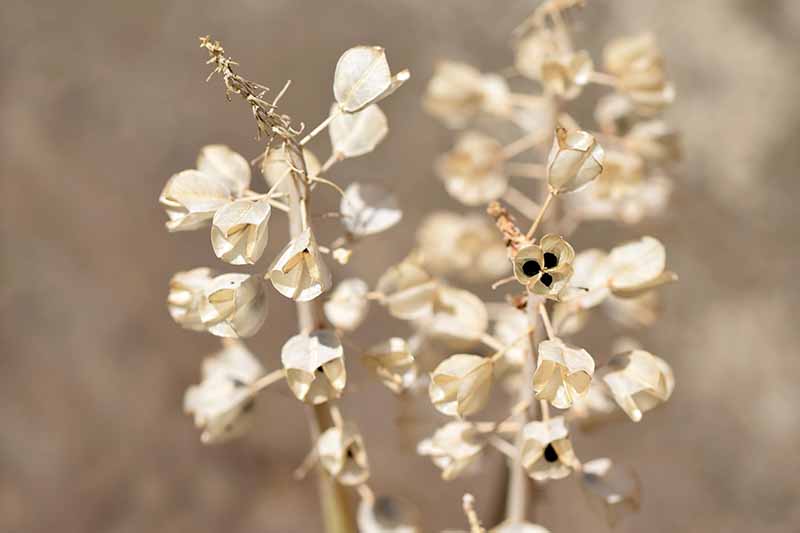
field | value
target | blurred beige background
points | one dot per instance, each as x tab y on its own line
101	101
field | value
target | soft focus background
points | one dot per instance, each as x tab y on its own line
102	101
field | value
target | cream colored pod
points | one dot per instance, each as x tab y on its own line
357	134
461	384
387	515
459	318
533	50
563	373
545	268
453	448
519	527
341	453
639	382
368	209
473	171
547	451
457	92
187	297
613	491
639	66
279	162
222	404
565	75
392	362
314	366
239	231
235	305
363	77
226	166
407	290
347	306
299	272
191	198
637	267
575	160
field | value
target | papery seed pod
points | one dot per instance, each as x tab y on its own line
387	515
299	272
639	66
547	451
563	373
519	527
187	296
279	162
545	269
454	447
357	134
564	75
226	166
222	404
368	209
457	92
638	266
654	140
473	170
468	246
575	159
459	318
239	231
533	50
460	385
341	453
363	77
639	381
235	305
407	290
622	171
613	491
628	205
191	198
347	307
314	366
392	362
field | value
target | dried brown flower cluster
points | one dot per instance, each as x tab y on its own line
460	350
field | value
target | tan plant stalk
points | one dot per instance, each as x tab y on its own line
336	509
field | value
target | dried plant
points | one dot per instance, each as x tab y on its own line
462	350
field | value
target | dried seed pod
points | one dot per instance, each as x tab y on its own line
468	246
563	373
564	75
187	296
347	307
453	448
357	134
575	159
407	290
314	366
239	231
654	140
459	318
226	166
191	198
387	515
545	269
533	50
639	66
222	404
613	491
473	170
368	209
622	171
519	527
342	454
615	114
235	305
392	362
547	451
637	267
457	92
639	381
363	77
460	385
299	272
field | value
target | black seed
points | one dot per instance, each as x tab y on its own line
550	260
547	279
550	454
530	268
350	454
319	370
